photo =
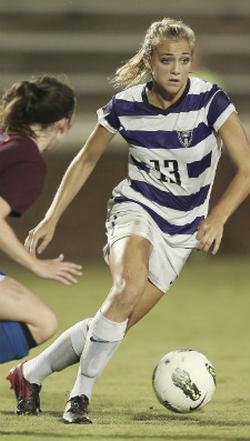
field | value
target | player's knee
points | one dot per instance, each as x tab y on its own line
47	327
52	325
126	294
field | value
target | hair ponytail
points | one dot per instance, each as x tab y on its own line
131	73
134	71
43	101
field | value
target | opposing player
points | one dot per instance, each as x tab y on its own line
175	125
35	115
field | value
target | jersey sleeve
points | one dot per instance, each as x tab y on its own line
108	118
20	185
220	108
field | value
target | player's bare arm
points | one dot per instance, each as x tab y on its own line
74	178
56	269
235	140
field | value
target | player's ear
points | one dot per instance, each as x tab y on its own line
63	124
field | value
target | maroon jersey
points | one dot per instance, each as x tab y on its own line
22	171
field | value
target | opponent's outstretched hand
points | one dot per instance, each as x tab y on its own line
57	269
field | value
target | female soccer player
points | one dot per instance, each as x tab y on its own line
35	115
175	125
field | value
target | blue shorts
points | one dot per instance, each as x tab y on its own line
2	275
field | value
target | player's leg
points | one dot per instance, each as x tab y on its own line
128	262
25	320
149	299
67	348
73	340
63	352
132	260
54	359
165	263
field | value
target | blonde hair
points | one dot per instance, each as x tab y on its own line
134	71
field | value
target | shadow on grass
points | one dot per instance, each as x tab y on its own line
145	417
199	421
88	435
51	413
154	418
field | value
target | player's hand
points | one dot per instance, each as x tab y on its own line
42	233
209	235
57	269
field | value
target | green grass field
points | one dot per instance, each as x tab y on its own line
208	309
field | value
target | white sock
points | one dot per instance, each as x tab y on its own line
103	338
64	351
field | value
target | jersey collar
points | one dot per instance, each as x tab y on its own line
170	108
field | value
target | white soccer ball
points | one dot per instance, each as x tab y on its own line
184	380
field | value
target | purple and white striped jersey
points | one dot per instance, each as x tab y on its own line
173	154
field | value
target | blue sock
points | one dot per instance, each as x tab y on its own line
15	340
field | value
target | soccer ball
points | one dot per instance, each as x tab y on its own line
184	380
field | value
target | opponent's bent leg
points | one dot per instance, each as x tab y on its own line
25	320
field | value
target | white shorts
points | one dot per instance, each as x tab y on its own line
165	262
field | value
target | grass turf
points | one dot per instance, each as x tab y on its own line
207	309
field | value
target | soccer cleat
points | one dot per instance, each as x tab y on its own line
76	410
27	394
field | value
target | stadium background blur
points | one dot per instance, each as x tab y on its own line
209	311
87	40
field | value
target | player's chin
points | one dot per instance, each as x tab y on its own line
172	89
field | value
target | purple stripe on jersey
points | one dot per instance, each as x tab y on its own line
219	103
190	103
167	199
196	168
194	102
133	108
113	121
163	224
110	115
162	139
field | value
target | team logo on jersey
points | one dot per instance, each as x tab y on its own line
185	137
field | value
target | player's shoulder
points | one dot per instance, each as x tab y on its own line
133	93
4	138
201	86
17	147
17	140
